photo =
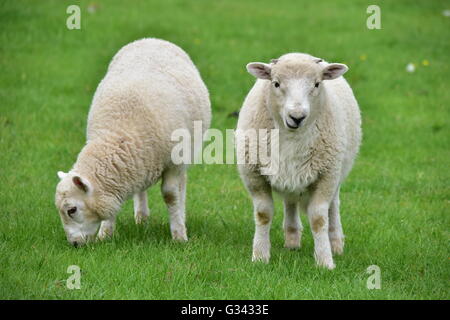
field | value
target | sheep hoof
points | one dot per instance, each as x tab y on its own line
292	241
179	236
337	246
259	256
292	246
141	217
104	234
326	263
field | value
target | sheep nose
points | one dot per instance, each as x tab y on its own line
75	244
297	121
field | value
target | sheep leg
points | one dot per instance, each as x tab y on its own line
107	228
263	213
141	211
318	208
261	194
292	224
173	189
335	232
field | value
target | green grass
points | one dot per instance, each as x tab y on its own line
395	204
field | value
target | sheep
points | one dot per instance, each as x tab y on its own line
319	134
151	88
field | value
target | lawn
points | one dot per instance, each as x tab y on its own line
395	203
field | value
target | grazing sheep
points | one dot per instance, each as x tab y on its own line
151	89
319	125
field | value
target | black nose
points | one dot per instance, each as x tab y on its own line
297	121
75	244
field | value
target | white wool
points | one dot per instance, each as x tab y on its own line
151	89
314	159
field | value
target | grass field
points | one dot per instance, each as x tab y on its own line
395	204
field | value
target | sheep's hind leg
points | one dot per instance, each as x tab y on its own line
141	211
107	228
335	228
173	189
292	225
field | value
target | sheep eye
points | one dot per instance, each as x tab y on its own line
317	84
276	84
71	211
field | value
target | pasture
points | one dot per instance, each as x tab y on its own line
395	205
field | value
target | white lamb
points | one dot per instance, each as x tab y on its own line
151	89
319	125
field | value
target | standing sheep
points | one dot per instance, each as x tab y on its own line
151	89
319	125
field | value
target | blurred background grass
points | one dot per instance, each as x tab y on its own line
395	204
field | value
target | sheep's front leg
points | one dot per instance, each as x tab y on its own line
318	209
141	211
107	228
261	194
173	189
335	228
292	225
263	213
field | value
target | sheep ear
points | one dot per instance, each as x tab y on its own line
333	70
260	70
61	174
81	183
